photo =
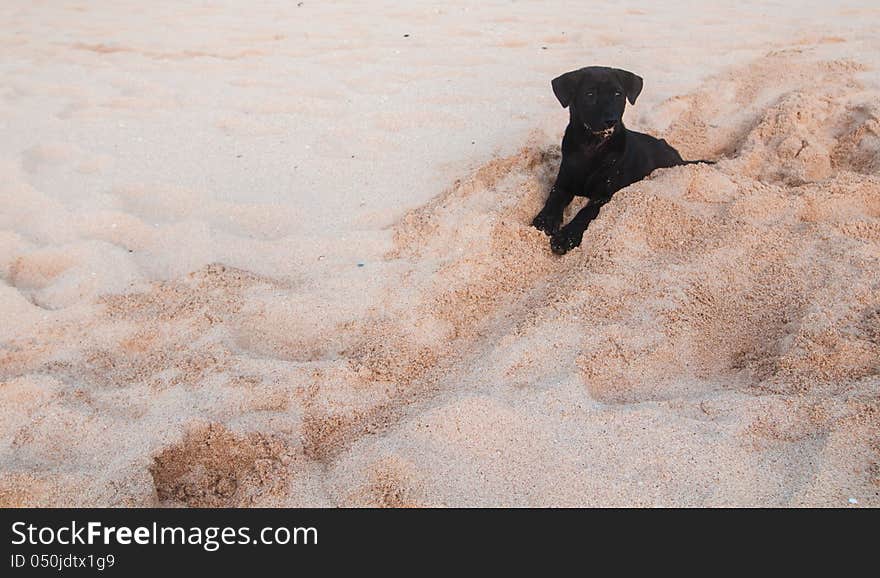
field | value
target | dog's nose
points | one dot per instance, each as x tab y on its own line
609	123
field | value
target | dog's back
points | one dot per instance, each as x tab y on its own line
651	153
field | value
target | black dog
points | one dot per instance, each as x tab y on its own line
599	155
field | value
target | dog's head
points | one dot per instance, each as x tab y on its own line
596	96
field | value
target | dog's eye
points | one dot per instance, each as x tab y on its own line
590	94
618	93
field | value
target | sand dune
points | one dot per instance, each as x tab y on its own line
224	287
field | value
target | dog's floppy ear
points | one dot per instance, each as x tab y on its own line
565	86
632	84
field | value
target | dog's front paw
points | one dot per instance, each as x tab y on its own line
565	240
547	222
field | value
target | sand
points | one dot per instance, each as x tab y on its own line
270	254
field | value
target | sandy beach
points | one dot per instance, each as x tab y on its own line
279	254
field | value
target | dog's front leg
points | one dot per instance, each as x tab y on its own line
550	217
570	236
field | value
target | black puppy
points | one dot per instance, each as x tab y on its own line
599	155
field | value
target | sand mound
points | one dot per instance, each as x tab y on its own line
212	467
694	284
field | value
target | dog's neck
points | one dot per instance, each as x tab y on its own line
593	144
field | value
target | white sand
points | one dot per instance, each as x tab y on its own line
259	254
